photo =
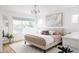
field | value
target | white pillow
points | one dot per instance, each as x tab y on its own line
51	32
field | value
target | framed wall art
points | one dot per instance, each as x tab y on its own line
54	20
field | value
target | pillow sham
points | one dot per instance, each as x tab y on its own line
45	33
57	37
51	32
56	33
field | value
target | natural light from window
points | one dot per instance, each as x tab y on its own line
75	18
23	27
40	22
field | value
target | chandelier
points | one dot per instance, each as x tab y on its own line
35	11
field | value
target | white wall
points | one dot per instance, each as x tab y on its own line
1	25
9	15
1	40
9	20
67	19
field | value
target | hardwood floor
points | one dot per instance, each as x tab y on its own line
7	49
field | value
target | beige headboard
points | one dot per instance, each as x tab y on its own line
59	29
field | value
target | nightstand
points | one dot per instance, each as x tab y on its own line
71	41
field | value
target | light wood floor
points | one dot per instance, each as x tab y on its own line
7	48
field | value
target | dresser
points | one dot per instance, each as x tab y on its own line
71	41
1	45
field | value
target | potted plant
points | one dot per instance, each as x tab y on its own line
9	36
64	50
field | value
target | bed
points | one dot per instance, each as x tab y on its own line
43	41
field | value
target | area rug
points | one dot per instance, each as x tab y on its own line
20	47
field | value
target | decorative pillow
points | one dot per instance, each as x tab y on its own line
57	33
57	37
51	32
45	33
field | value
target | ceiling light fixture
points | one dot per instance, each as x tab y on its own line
35	11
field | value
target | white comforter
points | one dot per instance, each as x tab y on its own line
48	38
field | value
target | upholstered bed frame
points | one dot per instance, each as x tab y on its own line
32	40
45	48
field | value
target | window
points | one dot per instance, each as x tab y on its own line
40	22
75	19
17	26
28	26
23	26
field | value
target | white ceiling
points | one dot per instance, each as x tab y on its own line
44	9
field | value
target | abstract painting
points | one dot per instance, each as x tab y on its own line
54	20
